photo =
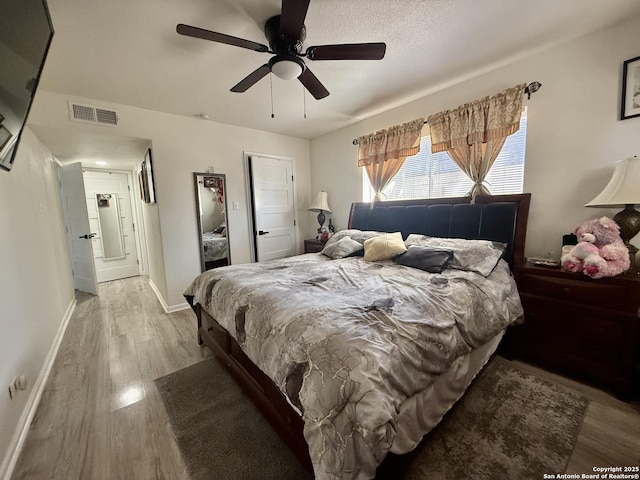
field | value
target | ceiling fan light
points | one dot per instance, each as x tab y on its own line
287	69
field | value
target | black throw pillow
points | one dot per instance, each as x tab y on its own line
357	253
432	260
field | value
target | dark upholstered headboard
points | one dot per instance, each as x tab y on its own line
501	218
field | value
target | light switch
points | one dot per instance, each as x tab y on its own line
236	206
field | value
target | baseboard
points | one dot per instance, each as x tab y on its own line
20	435
165	307
178	307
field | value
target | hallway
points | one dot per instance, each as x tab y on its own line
100	416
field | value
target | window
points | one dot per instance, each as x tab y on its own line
427	175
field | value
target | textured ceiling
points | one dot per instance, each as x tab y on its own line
128	52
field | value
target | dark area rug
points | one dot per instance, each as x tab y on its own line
509	425
221	435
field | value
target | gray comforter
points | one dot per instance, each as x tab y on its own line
214	245
349	341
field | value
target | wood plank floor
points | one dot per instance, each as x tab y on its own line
101	417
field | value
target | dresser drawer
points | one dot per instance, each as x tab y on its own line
579	291
572	338
216	333
548	320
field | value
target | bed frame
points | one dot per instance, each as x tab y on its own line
501	218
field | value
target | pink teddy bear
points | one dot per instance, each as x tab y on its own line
600	251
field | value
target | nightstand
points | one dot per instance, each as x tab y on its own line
313	245
585	327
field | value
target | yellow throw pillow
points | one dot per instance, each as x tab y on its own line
384	247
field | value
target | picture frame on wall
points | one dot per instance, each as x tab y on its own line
148	177
142	183
630	89
147	184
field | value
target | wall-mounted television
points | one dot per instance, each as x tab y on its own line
25	35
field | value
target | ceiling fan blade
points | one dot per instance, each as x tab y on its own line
348	51
251	79
196	32
311	83
292	18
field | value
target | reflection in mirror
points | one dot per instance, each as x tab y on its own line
110	226
211	212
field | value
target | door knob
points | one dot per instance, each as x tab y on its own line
87	236
262	232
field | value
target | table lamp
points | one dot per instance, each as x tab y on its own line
623	191
321	205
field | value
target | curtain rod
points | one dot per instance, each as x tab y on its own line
529	89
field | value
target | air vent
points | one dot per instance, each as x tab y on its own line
91	114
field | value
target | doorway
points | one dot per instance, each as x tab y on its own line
108	198
103	241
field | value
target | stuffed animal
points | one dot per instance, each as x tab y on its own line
600	251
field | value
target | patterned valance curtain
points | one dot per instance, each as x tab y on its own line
473	134
382	153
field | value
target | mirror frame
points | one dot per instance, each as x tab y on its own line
198	210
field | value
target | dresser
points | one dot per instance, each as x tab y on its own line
584	327
313	245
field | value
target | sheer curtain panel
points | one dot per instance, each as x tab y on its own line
473	134
382	153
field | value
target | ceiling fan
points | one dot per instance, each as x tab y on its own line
286	33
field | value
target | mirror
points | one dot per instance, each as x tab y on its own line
110	226
211	213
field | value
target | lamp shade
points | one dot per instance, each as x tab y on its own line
321	204
623	188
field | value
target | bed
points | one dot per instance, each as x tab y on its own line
214	246
343	356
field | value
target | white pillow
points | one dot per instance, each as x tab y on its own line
340	249
354	234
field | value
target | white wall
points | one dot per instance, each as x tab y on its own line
36	288
574	136
181	146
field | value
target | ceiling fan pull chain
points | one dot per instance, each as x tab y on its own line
271	86
304	102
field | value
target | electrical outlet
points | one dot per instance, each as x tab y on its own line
18	383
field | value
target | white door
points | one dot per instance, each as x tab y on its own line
273	207
114	248
79	232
